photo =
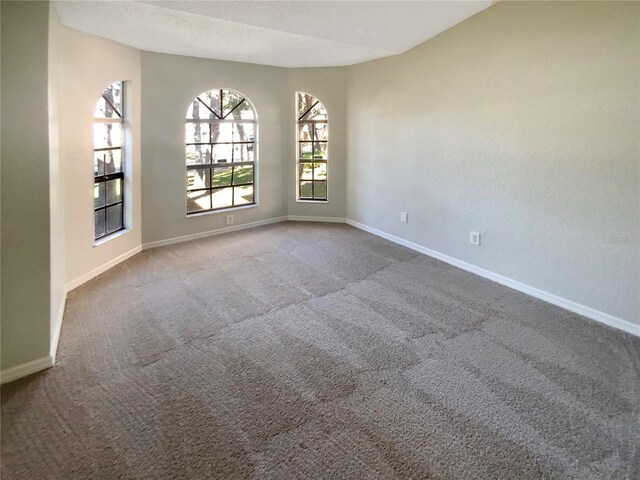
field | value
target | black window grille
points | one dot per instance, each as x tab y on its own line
220	134
108	159
312	148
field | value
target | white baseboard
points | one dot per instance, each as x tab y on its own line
24	369
570	305
304	218
102	268
209	233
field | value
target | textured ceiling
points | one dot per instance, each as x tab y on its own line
285	34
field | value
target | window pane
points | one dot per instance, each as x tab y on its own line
198	178
99	223
222	176
106	162
198	111
233	132
105	109
305	171
244	112
107	135
222	153
304	132
305	101
305	190
243	195
198	200
320	150
222	197
197	132
98	163
320	171
243	174
321	131
244	132
320	190
230	100
212	100
317	113
243	152
198	154
114	191
114	218
305	150
98	194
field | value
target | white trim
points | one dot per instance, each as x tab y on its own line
220	210
53	349
567	304
28	368
110	236
102	268
304	218
24	369
209	233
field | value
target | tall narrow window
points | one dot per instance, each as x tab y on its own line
108	186
220	151
313	143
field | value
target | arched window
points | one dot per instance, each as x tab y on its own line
221	129
108	158
313	143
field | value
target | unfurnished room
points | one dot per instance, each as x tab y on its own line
320	240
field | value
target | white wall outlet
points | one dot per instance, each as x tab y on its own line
404	218
474	238
229	219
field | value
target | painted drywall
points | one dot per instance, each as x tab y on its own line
521	123
87	65
272	92
56	194
329	86
25	263
164	107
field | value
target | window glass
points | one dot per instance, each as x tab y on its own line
220	151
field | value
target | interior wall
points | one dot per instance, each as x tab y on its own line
25	248
522	124
164	109
329	86
272	92
89	64
56	194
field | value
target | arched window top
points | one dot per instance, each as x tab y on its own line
221	104
220	135
310	108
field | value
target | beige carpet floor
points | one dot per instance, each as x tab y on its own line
315	351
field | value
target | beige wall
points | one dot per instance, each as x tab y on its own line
56	194
26	267
272	92
329	86
88	65
521	123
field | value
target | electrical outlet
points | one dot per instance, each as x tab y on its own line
229	219
404	218
474	238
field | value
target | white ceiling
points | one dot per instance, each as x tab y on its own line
280	33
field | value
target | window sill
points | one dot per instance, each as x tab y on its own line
111	236
221	210
322	202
